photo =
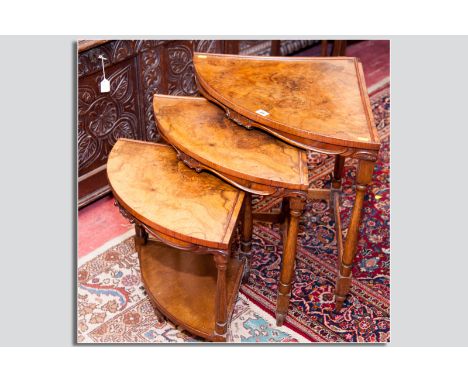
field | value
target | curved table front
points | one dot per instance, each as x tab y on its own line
199	129
149	182
301	99
194	215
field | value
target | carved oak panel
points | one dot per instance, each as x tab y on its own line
181	80
105	117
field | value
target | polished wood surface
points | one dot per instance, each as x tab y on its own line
320	99
246	234
184	287
200	129
346	259
296	207
153	186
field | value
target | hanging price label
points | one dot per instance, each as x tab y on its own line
105	83
105	86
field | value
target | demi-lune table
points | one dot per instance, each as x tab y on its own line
190	215
253	161
319	104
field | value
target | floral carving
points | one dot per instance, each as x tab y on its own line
102	117
189	161
124	212
181	73
122	129
366	155
151	75
179	58
123	49
238	118
207	46
87	149
188	83
114	52
120	85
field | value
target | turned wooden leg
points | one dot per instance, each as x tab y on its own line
339	48
324	48
246	236
221	298
336	180
345	263
338	172
296	206
141	236
284	218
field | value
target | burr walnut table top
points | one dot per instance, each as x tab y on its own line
200	129
148	180
320	99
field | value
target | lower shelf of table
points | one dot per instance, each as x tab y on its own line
182	285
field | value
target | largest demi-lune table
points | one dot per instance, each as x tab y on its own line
253	161
318	104
191	215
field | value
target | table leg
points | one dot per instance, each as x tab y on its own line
221	262
338	172
345	263
296	206
284	219
336	180
141	236
246	236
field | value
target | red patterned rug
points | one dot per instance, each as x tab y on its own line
365	316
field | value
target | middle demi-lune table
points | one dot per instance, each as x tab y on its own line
253	161
319	104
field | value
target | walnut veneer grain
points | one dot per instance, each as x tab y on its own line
200	129
152	185
313	98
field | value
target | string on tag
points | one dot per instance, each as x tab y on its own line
105	83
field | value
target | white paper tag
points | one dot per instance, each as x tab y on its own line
262	112
105	86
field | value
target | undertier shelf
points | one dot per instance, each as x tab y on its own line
182	285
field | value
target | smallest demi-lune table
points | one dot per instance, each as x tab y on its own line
190	215
253	161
